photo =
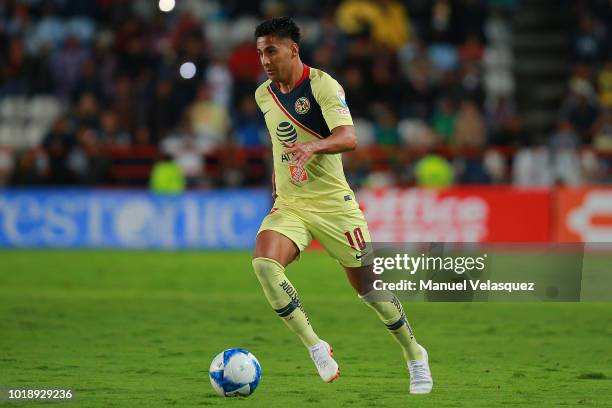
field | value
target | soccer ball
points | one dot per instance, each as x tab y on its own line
234	372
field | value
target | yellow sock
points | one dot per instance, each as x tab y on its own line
284	299
389	309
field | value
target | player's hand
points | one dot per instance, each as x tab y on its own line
301	152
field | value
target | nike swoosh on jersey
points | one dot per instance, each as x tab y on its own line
361	255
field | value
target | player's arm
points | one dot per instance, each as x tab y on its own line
330	96
342	139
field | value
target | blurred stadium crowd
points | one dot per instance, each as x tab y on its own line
93	92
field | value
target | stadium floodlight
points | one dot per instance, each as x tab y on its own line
187	70
166	5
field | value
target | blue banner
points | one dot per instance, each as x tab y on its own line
227	219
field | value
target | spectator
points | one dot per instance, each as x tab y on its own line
439	28
495	166
133	56
470	134
323	58
39	77
89	82
420	93
57	145
470	131
417	134
85	161
469	19
503	123
565	161
220	80
32	169
48	30
244	62
444	119
471	169
589	41
14	70
142	136
20	22
187	149
531	167
88	113
162	111
581	110
564	137
470	83
106	63
66	66
604	81
386	83
209	120
7	165
143	93
124	104
110	133
386	128
444	56
471	50
603	132
249	129
354	86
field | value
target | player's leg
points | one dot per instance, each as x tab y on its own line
390	311
346	237
388	308
273	252
281	238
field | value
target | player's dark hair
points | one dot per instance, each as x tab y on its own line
282	27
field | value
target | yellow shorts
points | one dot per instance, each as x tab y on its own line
344	235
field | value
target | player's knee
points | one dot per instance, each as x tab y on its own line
266	268
274	245
361	279
362	289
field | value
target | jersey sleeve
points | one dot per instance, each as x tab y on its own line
330	96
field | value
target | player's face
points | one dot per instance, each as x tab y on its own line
276	56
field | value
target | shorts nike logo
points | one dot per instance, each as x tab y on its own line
361	255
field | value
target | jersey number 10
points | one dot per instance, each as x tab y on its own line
358	238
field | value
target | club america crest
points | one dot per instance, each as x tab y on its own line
302	105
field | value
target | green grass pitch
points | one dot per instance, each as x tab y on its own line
130	329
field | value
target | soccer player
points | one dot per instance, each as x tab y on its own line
310	125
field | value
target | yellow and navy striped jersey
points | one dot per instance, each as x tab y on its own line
314	107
